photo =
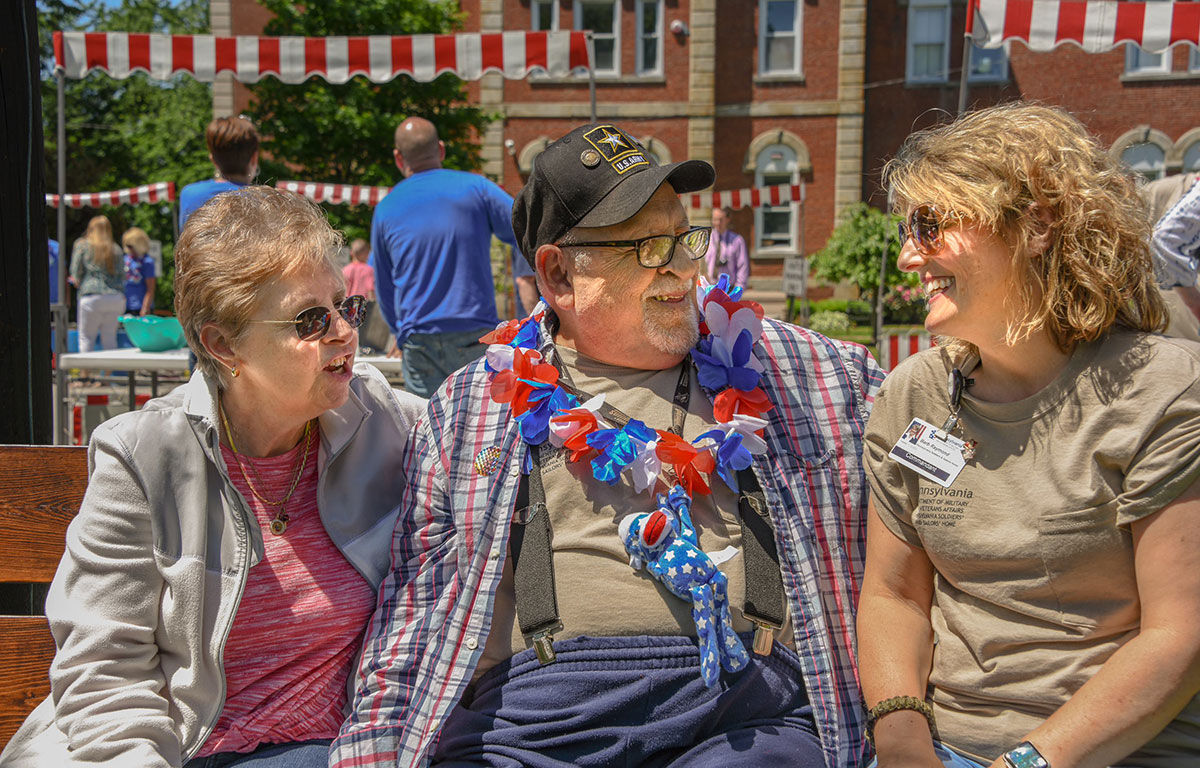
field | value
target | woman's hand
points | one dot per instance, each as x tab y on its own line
903	740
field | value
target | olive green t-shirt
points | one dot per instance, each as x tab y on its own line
599	594
1031	544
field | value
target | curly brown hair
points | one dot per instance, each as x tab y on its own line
1027	172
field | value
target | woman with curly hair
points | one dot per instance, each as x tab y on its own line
1032	586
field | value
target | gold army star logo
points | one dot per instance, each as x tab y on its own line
621	152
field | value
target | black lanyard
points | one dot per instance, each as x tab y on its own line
531	542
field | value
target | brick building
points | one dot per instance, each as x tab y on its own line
1145	107
772	91
769	91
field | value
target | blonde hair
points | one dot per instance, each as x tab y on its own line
99	236
1027	172
233	247
136	237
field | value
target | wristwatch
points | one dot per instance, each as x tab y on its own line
1025	755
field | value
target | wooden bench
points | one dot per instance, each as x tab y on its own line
41	488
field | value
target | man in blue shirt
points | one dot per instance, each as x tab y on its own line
233	150
431	249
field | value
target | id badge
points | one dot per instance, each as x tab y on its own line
930	452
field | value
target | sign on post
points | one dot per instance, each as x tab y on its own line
156	254
795	285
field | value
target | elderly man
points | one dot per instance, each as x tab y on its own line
635	535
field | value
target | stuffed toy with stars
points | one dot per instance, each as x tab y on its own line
667	545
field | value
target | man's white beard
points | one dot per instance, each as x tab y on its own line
674	339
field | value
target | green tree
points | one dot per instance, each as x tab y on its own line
122	133
855	247
319	131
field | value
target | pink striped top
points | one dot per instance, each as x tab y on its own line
299	624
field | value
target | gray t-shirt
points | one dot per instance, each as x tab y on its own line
599	594
1035	585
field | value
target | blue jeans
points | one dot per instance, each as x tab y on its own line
632	701
949	758
428	358
298	754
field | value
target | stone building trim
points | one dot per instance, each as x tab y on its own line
530	152
769	139
1144	134
1175	155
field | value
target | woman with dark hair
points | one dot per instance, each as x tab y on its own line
1032	586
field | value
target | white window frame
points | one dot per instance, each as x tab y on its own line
639	32
1133	66
1193	59
761	164
1160	169
577	12
1000	76
913	8
533	14
797	69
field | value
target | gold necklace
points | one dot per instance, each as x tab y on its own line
278	523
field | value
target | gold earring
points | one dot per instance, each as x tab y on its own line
234	372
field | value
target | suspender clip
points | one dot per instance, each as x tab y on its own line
543	645
764	637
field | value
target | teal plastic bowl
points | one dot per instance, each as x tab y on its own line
152	333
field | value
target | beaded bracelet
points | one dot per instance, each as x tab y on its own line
895	704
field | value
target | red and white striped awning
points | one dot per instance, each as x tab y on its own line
782	194
336	59
163	191
1094	26
338	194
760	197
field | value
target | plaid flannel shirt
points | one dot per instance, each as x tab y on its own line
451	538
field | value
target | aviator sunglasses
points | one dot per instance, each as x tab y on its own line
924	226
313	323
658	250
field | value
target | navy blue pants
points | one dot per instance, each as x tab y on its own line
632	701
297	754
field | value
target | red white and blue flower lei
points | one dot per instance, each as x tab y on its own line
730	326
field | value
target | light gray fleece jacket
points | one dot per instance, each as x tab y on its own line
157	559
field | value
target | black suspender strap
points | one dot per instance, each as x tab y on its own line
533	564
765	602
531	543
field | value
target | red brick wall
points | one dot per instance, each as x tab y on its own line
1088	85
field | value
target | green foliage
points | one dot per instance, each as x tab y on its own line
318	131
122	133
903	304
857	311
854	249
830	323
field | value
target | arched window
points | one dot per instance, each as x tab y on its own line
775	226
1191	158
1146	159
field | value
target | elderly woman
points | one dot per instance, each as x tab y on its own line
1032	587
217	580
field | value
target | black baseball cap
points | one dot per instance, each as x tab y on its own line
595	176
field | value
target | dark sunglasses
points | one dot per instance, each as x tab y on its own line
924	226
313	323
658	250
